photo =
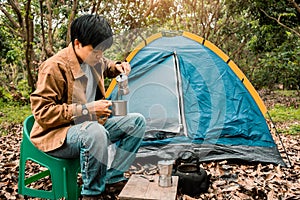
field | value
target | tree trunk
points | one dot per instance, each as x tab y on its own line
29	53
71	18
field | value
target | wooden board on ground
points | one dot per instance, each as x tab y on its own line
139	188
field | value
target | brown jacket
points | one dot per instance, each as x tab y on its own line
60	88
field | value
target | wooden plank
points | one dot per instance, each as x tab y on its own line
139	188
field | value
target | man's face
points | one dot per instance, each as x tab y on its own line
88	54
93	56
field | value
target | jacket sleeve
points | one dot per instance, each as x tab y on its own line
48	101
110	68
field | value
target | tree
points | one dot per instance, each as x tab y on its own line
213	21
275	29
43	25
21	25
205	18
37	24
249	31
133	21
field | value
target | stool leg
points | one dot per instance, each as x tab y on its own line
71	186
21	181
73	190
64	183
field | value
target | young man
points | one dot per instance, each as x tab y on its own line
72	118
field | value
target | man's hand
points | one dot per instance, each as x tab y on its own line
123	67
100	108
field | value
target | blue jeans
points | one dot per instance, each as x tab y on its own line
90	140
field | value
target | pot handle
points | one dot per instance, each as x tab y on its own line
187	156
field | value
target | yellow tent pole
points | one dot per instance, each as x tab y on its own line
233	66
212	47
110	88
113	83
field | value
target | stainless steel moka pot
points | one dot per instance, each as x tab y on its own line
165	173
122	81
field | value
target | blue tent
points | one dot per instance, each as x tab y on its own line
195	98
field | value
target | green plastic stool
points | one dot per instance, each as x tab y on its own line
63	172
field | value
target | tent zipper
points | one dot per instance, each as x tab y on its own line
180	95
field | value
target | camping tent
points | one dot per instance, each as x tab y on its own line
195	98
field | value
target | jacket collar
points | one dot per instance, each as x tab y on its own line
73	62
77	71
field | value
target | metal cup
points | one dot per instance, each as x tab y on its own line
122	81
119	108
165	173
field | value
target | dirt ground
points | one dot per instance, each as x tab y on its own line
228	180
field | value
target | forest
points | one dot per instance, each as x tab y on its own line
262	37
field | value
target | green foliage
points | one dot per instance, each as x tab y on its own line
5	95
107	81
272	50
288	116
280	66
287	93
281	113
17	94
12	76
11	51
4	43
294	129
12	113
247	30
23	89
286	113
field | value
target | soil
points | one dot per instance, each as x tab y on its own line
228	180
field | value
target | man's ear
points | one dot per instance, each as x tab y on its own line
77	44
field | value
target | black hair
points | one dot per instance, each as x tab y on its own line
92	30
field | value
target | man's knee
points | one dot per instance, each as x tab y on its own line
139	124
139	119
95	133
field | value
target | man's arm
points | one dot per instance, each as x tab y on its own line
48	101
114	68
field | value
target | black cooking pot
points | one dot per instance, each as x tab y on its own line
193	180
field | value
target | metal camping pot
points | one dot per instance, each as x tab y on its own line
119	107
193	180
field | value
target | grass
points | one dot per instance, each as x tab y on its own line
288	93
287	116
12	113
15	113
282	113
